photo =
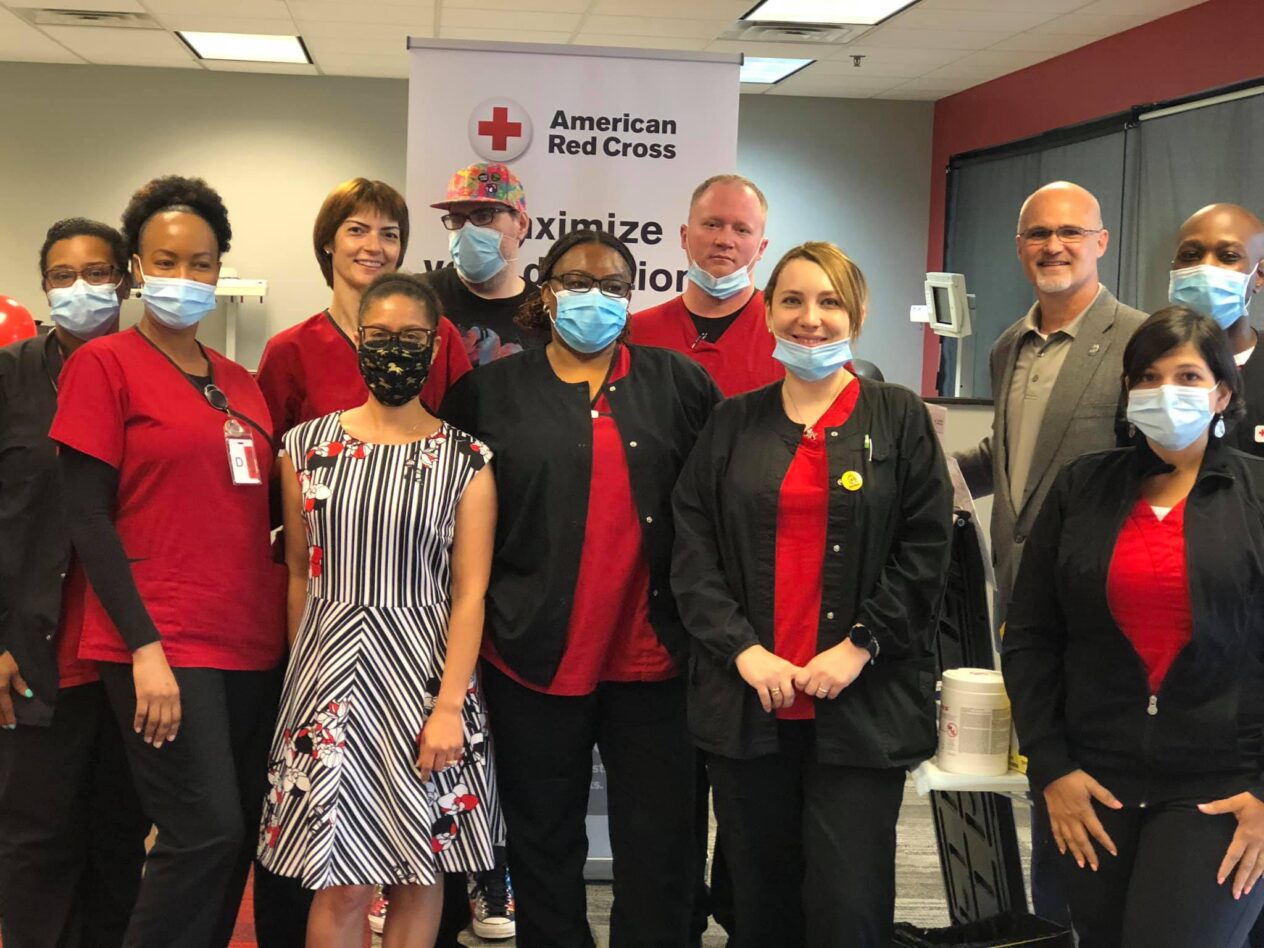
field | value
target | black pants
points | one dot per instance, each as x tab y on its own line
204	792
1160	891
1048	894
544	763
810	846
72	834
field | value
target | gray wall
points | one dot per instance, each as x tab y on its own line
851	171
77	140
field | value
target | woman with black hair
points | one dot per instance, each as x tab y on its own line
1134	658
71	831
583	642
165	459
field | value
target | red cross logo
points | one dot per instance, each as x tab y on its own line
500	129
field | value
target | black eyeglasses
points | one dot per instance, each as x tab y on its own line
479	217
98	275
577	281
375	337
1065	234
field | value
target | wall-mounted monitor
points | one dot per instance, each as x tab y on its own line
948	305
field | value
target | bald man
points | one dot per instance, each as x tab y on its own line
1216	270
1055	385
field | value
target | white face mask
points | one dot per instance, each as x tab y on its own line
85	310
1172	416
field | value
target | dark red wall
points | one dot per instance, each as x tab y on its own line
1209	45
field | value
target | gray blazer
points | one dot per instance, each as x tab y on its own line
1085	413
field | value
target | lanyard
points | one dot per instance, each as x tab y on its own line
53	354
213	394
601	391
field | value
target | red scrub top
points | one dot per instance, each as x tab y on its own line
1148	587
609	636
739	361
197	543
311	370
71	669
802	518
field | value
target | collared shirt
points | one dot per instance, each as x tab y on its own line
1039	360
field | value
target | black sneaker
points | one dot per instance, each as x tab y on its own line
492	905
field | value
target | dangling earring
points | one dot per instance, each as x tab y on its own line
1132	430
1218	427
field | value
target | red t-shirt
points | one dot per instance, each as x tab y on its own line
609	636
739	361
71	669
802	518
1148	587
198	544
311	369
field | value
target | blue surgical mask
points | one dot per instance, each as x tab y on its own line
812	363
1172	416
476	253
719	287
1213	291
588	322
85	310
177	303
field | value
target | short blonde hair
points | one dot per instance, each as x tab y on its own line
729	179
848	282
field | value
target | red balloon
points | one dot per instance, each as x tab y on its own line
16	322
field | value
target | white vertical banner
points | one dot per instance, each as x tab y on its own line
604	138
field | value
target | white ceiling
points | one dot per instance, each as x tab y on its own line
930	50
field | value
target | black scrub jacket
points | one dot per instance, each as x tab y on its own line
887	549
540	431
34	542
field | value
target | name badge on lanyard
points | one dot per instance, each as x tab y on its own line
243	463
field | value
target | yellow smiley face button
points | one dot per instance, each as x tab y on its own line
851	480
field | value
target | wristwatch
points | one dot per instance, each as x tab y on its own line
860	636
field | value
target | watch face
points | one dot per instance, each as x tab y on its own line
861	637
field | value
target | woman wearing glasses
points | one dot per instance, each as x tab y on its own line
71	831
165	458
380	769
309	370
584	646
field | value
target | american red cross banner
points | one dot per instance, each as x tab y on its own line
604	138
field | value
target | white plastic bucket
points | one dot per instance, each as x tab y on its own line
974	723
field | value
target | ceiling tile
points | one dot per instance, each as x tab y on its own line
287	69
654	26
974	74
116	46
1007	59
259	9
898	55
504	36
693	9
334	11
544	6
1151	9
639	42
310	29
910	95
1004	6
871	70
988	21
1050	44
934	39
1091	24
377	67
804	83
322	46
22	43
227	24
508	20
97	6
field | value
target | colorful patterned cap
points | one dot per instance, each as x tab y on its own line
486	181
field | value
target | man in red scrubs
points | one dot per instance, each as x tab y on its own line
719	320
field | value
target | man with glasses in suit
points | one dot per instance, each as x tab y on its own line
1056	387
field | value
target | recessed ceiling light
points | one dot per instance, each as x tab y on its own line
762	69
865	12
246	47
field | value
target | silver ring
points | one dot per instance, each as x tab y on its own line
775	691
823	693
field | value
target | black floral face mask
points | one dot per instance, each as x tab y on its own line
394	372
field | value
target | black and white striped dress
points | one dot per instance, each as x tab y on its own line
346	805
